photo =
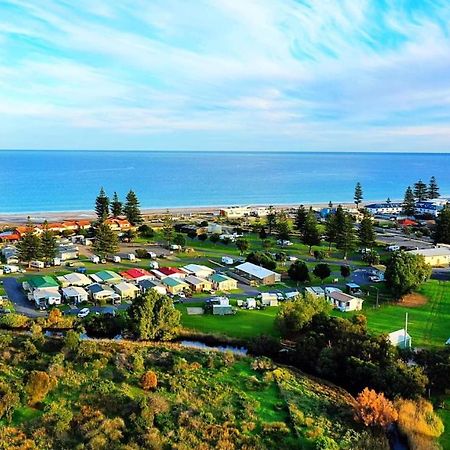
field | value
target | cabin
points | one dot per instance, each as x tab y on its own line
45	297
74	279
136	274
147	284
198	270
127	291
75	294
198	284
100	292
173	272
344	302
222	282
253	274
173	285
106	276
400	338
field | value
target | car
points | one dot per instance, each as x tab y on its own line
182	295
375	279
83	312
280	296
5	311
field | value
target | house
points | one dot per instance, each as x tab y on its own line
127	291
438	256
198	270
147	284
344	302
314	290
221	306
106	276
9	236
198	284
75	294
269	299
74	279
45	297
118	224
173	285
400	338
223	283
99	292
173	272
251	273
137	274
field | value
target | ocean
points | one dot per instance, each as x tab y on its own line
32	181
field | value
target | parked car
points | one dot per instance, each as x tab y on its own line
83	312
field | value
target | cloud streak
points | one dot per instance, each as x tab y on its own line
225	75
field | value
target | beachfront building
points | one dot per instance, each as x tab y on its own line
223	283
252	274
75	294
106	276
431	207
389	208
435	257
235	212
344	302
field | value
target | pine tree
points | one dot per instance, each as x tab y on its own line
366	232
29	246
106	241
442	232
433	189
300	219
388	201
131	209
271	219
283	226
168	231
102	206
358	194
311	235
116	206
345	232
48	244
409	203
330	229
420	191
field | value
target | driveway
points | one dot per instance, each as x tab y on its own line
16	295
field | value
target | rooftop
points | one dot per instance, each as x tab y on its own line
439	251
254	270
42	282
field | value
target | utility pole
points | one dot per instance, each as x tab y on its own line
406	330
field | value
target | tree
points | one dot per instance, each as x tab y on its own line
420	191
72	341
406	272
9	400
243	245
116	206
149	381
202	237
409	202
180	240
442	230
102	206
358	194
371	257
167	229
263	234
38	385
29	247
311	235
366	232
263	259
300	219
48	244
283	227
299	272
345	271
214	238
154	317
345	232
106	241
295	314
271	219
330	229
433	189
131	209
146	232
322	271
374	409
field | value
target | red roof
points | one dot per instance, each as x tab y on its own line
135	273
170	270
10	236
407	222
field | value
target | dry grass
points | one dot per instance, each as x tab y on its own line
413	300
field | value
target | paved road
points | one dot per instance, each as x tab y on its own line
17	296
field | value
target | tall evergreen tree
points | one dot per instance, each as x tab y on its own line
345	232
106	241
311	235
116	206
330	229
433	188
29	246
283	226
102	205
168	230
300	219
131	209
48	244
420	191
409	202
442	231
388	201
366	232
358	194
271	219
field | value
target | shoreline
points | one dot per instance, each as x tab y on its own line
59	216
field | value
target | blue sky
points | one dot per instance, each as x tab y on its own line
342	75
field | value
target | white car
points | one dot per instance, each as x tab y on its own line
83	312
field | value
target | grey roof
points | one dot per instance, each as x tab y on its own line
254	270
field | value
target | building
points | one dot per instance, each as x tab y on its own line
198	270
66	252
253	274
146	285
431	207
45	297
221	306
137	275
315	290
400	338
118	224
269	299
10	236
223	283
198	284
10	255
40	282
104	293
235	212
344	302
389	208
173	285
127	291
106	276
75	294
438	256
173	272
74	279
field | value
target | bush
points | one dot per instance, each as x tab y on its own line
38	385
14	320
149	381
374	409
262	364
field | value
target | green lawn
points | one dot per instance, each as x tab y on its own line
445	416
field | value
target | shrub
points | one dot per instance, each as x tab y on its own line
374	409
149	380
275	428
262	364
38	385
14	320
